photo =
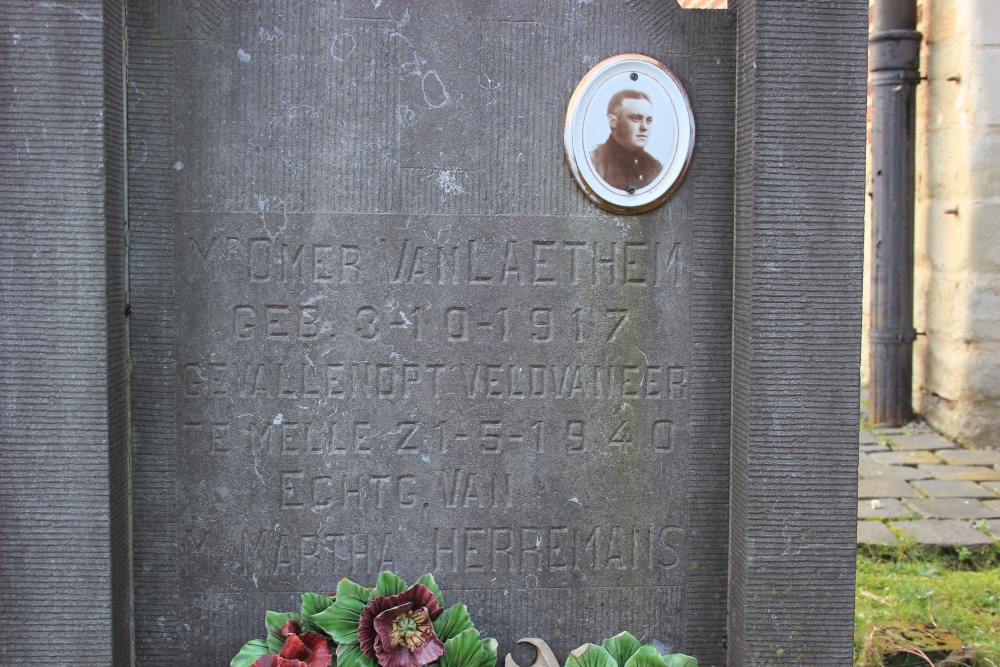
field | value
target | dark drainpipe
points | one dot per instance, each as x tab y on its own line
894	58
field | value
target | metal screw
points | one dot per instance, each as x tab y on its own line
630	189
633	76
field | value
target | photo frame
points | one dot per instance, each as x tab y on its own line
629	133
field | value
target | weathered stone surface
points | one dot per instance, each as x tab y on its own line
883	508
920	441
393	333
905	458
886	488
971	473
866	437
946	488
972	457
64	591
942	532
993	527
952	508
992	485
867	449
875	532
893	472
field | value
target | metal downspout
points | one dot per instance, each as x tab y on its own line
894	59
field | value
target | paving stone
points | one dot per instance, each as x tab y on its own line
942	532
951	488
875	471
993	527
920	441
864	459
952	508
993	504
866	437
971	473
883	508
992	486
971	457
904	458
889	431
875	447
875	532
886	488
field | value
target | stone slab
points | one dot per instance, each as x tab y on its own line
892	472
864	459
970	473
952	508
992	485
971	457
942	532
920	441
866	437
876	447
883	508
886	488
370	305
950	488
875	533
904	458
993	527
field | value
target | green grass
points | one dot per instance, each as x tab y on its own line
958	590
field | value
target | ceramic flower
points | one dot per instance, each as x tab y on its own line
301	649
397	630
395	625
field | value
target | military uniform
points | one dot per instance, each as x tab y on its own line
620	167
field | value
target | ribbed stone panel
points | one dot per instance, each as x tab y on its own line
62	335
800	141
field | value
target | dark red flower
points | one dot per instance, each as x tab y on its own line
406	637
301	649
396	630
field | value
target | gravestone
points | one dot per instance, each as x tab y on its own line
399	338
374	324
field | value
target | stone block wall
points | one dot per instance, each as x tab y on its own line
956	380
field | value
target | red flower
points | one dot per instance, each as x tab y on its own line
301	649
396	630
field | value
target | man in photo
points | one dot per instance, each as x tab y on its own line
622	160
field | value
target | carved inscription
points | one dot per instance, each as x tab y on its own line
493	406
510	262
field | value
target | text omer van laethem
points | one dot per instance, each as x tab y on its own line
622	160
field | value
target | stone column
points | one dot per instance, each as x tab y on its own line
800	137
63	432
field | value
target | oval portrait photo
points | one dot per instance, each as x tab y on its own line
629	133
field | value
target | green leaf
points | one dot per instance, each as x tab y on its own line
389	584
340	620
275	620
250	652
646	656
274	643
621	647
313	603
680	660
463	650
590	655
428	581
351	656
452	622
489	658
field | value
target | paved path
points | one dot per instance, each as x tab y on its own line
914	482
